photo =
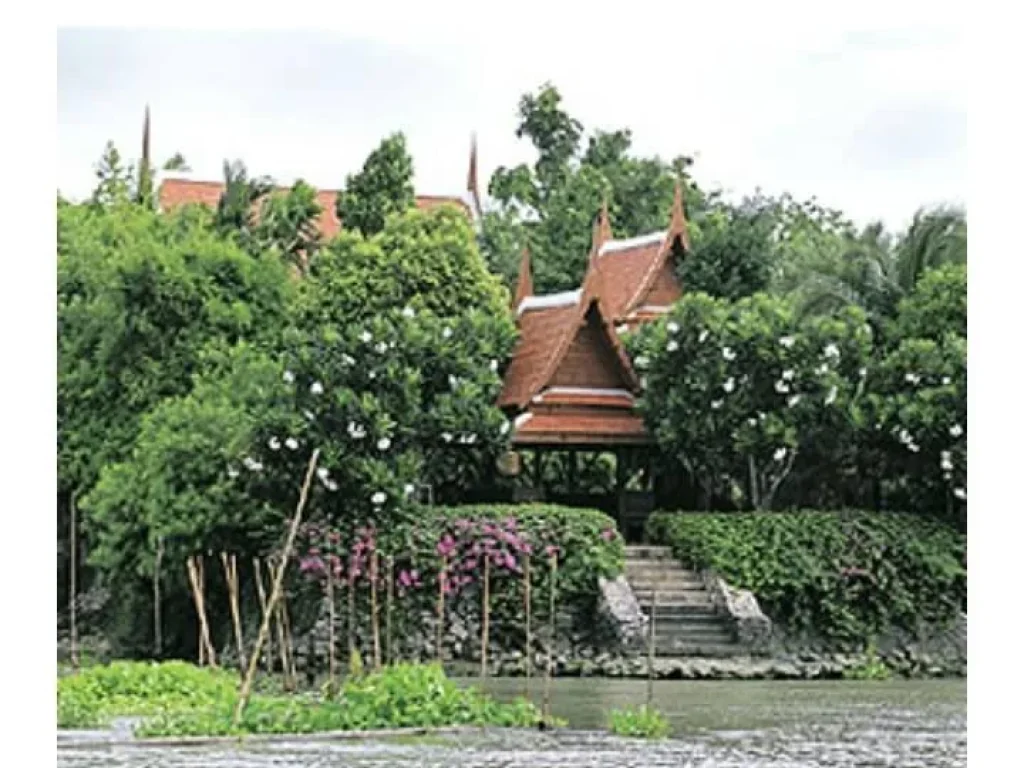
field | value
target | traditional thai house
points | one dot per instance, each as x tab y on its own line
571	389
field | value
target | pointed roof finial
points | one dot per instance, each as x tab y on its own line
524	285
602	231
677	223
472	184
145	137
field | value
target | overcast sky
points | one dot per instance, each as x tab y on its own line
871	118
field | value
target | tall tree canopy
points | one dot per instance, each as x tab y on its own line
382	187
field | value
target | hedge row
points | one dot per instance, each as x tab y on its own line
847	575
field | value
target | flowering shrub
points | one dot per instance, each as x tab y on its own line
740	392
845	575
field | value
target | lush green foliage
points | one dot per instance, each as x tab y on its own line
383	187
873	668
404	695
845	575
97	693
739	392
643	722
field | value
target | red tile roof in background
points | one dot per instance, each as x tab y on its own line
623	273
178	192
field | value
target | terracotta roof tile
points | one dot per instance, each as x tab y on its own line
176	192
571	426
540	334
623	272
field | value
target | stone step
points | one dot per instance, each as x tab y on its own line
648	552
660	568
664	583
710	650
695	632
670	595
694	609
675	618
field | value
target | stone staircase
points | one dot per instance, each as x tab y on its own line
686	621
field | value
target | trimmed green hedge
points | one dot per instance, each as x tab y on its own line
848	575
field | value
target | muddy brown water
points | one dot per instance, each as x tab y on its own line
729	724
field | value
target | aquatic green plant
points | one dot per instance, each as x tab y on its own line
872	668
642	722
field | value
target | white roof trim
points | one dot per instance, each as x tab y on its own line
634	242
656	309
521	419
606	392
564	299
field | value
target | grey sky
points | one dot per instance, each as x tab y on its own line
870	119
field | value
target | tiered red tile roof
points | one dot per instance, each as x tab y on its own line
175	192
570	380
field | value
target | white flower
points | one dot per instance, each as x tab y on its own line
378	498
274	444
316	388
831	350
471	439
347	359
752	421
822	369
621	329
493	366
906	437
366	337
381	347
788	374
960	493
289	377
356	431
252	465
787	341
409	312
728	354
372	375
232	472
780	454
503	429
956	430
384	443
781	387
761	416
323	472
410	489
331	485
310	416
292	443
945	381
913	447
912	378
863	372
446	333
703	336
729	385
831	396
946	461
453	381
446	436
642	361
794	401
672	345
673	326
716	404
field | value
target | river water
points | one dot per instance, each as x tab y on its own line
728	724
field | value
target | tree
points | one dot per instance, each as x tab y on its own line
288	225
551	205
382	187
114	185
738	392
237	209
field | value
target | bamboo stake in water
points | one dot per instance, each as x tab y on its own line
529	624
230	566
546	711
331	662
388	651
158	633
374	613
486	609
651	639
261	592
275	593
73	588
441	581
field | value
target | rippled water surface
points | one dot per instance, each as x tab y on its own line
727	724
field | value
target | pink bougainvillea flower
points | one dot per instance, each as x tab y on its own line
510	561
405	579
510	523
446	545
550	550
608	534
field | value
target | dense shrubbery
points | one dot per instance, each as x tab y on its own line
845	575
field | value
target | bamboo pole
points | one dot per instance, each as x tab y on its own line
261	592
275	618
389	563
350	618
73	587
439	631
275	594
374	614
650	648
158	633
331	661
529	628
291	678
230	565
546	711
486	619
206	652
